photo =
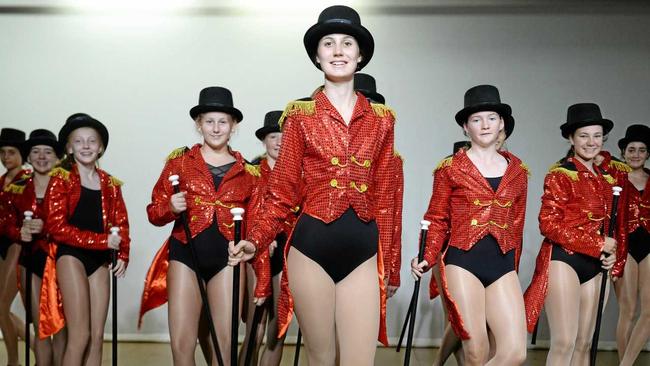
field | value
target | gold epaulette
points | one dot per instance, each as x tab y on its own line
398	155
114	182
444	163
177	153
304	107
620	166
569	173
15	188
555	165
609	179
525	167
253	170
381	110
61	173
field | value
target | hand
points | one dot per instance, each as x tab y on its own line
259	301
120	268
608	261
242	252
417	269
36	225
177	202
272	246
114	241
25	233
391	290
610	245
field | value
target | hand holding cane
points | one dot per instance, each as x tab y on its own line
424	229
237	218
204	294
114	231
603	283
28	293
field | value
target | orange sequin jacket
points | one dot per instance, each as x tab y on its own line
575	210
638	206
23	198
204	203
61	200
342	166
464	208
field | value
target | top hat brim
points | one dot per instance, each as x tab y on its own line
27	147
569	128
67	129
359	32
373	96
263	131
502	109
14	143
205	108
622	143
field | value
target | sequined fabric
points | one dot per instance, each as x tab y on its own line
396	245
204	203
638	206
5	206
22	198
61	200
575	210
342	165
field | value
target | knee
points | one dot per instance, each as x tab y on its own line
562	345
626	311
644	316
97	337
182	346
476	353
78	338
582	345
515	355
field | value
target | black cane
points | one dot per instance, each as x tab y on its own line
237	218
603	283
28	293
195	262
424	229
257	317
533	340
404	326
114	231
296	356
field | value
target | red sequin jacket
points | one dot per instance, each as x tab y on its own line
61	200
575	210
204	202
464	208
638	206
342	166
23	198
5	204
396	246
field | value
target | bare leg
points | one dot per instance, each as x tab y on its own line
562	309
184	312
504	308
272	353
99	299
43	347
469	294
314	294
251	280
589	292
204	339
357	315
75	294
8	291
626	289
58	346
450	342
641	330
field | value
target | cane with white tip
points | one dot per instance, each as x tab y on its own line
237	217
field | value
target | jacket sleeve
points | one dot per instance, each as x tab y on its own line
396	245
56	203
12	222
159	211
552	219
621	234
518	221
262	261
439	214
121	220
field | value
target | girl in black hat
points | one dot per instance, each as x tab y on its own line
478	207
83	203
213	179
11	143
340	251
635	283
43	152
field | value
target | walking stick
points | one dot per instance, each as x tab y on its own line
257	317
114	231
28	293
404	326
603	283
424	226
195	262
237	213
296	357
533	340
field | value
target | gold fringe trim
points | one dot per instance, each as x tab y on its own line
525	167
382	110
569	173
115	182
304	107
555	165
620	166
609	179
398	155
176	153
444	163
253	170
61	173
15	189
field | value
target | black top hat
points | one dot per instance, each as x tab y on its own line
216	99
486	98
635	133
12	137
344	20
582	115
79	120
461	145
42	137
271	124
365	84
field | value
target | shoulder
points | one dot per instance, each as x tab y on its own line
252	170
382	111
177	153
564	168
304	107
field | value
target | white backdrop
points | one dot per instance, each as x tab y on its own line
141	74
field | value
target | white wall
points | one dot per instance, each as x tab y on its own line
140	75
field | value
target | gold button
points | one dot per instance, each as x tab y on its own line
334	183
363	188
335	161
194	218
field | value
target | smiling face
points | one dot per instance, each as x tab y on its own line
483	128
587	141
338	56
636	154
85	145
42	158
216	128
11	158
272	143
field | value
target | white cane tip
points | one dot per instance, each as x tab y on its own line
115	230
174	179
425	224
28	214
617	190
237	213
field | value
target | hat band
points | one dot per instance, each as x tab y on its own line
343	21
